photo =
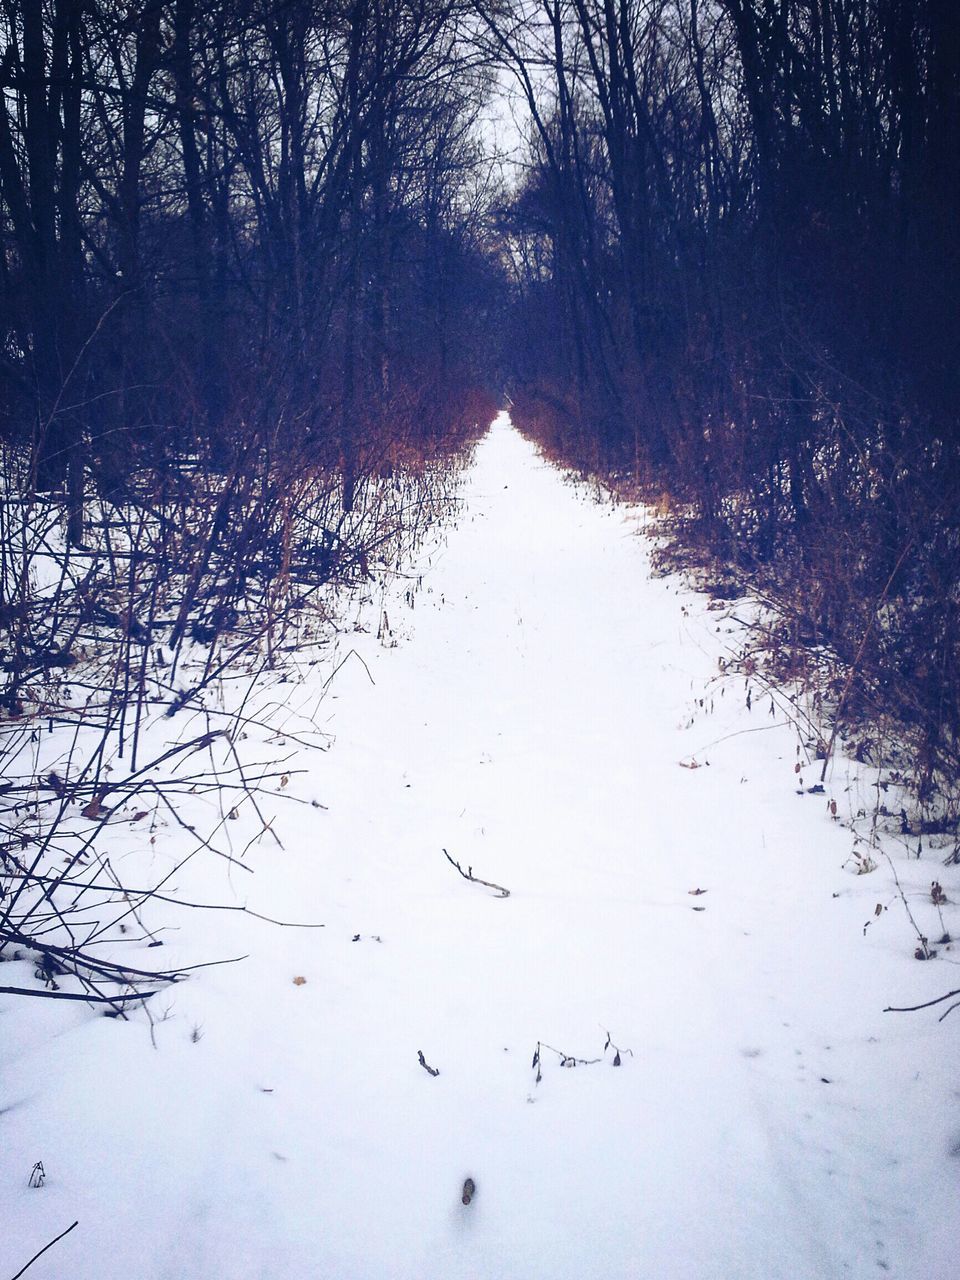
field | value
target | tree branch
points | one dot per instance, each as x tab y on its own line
468	875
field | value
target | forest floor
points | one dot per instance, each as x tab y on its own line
664	1056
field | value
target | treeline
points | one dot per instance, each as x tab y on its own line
225	221
253	237
738	271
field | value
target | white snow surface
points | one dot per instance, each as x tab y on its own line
530	711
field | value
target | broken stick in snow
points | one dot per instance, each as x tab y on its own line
468	875
44	1250
927	1004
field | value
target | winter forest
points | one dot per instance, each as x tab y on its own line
479	639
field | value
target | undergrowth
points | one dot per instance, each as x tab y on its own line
129	671
863	672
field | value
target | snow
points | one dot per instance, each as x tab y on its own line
531	714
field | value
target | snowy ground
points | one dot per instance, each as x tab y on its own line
533	705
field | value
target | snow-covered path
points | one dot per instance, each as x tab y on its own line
767	1119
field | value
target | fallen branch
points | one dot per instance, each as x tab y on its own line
45	1248
927	1004
71	959
468	875
86	996
433	1071
88	969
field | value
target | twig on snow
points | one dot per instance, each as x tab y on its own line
352	654
45	1248
433	1071
912	1008
86	996
468	875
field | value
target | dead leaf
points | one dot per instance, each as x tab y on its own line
695	893
138	817
299	980
689	764
94	809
